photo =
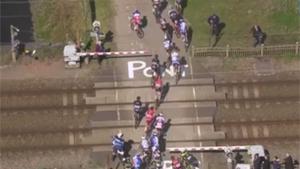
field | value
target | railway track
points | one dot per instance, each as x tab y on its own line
70	138
24	103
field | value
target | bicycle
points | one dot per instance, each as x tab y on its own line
156	12
178	7
177	70
137	28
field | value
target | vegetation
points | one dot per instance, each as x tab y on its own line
280	19
63	20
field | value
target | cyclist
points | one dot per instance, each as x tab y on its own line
182	28
118	145
158	85
176	163
189	159
145	144
163	24
150	114
137	105
173	14
155	66
136	19
168	45
159	122
137	161
154	142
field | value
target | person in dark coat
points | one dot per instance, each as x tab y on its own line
266	164
256	162
258	34
276	163
288	162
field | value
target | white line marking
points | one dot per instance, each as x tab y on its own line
65	100
117	95
196	110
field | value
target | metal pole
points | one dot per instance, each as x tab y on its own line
227	50
12	39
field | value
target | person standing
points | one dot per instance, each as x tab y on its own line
256	162
258	34
276	163
266	163
288	162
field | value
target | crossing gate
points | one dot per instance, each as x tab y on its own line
251	149
73	59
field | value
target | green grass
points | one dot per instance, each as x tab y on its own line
64	20
278	18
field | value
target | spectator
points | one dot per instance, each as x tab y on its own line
238	158
266	163
288	162
258	34
214	23
276	163
256	162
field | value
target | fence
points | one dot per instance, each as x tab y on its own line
278	50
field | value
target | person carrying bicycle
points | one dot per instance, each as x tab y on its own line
137	161
188	159
137	105
158	85
176	164
150	114
159	123
118	145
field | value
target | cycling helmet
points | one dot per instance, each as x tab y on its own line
138	98
136	11
143	137
156	55
160	114
120	135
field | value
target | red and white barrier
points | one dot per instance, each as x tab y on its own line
251	149
208	149
117	53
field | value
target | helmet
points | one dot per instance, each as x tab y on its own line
120	135
136	11
156	55
138	98
160	114
143	137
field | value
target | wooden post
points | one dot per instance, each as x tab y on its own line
227	50
12	40
262	50
193	52
297	48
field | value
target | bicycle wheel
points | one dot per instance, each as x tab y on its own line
140	33
131	25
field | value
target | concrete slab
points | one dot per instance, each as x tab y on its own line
175	134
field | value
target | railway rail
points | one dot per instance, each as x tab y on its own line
72	99
60	138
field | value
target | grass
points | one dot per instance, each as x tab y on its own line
64	20
280	19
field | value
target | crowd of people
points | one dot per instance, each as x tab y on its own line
276	163
153	141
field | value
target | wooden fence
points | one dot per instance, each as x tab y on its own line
278	50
